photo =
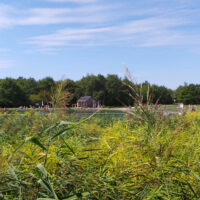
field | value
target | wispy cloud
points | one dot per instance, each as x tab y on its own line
73	1
152	31
11	17
4	64
4	50
93	23
68	37
5	19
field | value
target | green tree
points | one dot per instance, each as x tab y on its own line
92	85
45	84
29	86
71	87
11	95
188	94
115	91
161	94
43	91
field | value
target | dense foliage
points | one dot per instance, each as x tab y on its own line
143	156
109	91
189	94
11	94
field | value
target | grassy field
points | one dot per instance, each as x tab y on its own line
57	156
176	107
106	110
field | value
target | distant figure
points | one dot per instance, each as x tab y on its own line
181	107
193	108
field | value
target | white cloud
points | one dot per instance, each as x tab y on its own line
146	32
5	19
11	17
105	24
68	37
4	64
152	24
73	1
4	50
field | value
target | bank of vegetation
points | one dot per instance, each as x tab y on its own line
143	156
109	91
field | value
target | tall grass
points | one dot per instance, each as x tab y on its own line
144	156
51	157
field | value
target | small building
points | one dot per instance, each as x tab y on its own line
87	101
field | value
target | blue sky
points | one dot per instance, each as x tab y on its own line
158	40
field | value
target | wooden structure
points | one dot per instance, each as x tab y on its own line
87	101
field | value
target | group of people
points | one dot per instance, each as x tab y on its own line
190	108
45	107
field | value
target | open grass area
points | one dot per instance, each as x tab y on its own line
106	110
176	108
58	156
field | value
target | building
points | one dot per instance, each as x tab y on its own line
87	101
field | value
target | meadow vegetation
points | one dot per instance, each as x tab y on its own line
144	155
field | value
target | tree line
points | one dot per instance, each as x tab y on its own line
109	90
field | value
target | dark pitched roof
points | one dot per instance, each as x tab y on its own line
85	98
